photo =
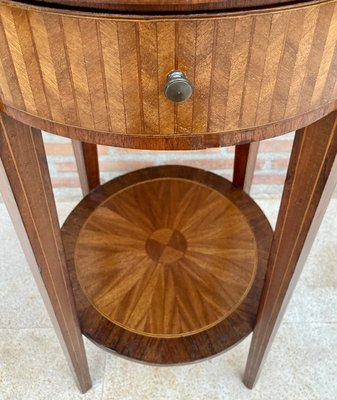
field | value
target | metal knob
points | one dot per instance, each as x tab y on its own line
178	88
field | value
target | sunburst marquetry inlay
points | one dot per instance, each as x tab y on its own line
166	245
167	257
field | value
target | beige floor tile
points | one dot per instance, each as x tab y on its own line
301	364
32	367
312	305
21	304
218	378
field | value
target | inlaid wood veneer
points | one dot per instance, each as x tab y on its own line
167	264
165	238
106	72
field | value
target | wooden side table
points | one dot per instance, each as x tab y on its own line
169	264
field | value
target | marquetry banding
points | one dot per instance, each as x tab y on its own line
249	69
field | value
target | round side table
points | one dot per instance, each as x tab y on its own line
169	264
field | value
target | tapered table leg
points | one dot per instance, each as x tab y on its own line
311	179
87	165
27	191
244	165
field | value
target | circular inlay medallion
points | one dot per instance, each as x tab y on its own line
166	245
167	257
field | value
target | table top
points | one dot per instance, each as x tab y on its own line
173	5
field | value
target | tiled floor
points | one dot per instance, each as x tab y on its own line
302	363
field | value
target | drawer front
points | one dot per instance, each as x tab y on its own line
170	5
108	73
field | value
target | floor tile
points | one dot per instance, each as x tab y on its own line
300	366
33	367
21	304
302	363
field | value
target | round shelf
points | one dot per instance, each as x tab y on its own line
167	264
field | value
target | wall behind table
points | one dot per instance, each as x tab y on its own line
269	176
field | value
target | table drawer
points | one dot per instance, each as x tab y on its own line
107	73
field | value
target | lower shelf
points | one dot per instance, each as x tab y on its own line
167	264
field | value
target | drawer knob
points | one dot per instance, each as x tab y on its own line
178	88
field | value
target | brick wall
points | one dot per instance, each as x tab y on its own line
268	181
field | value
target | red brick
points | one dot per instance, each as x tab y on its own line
280	164
118	165
66	167
269	179
211	150
125	165
103	150
213	163
58	148
271	146
275	146
130	165
65	182
67	149
259	164
258	180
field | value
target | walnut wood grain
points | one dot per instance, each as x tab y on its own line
86	157
155	258
248	69
311	179
25	165
167	264
173	142
244	165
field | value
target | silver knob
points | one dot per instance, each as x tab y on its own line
178	88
